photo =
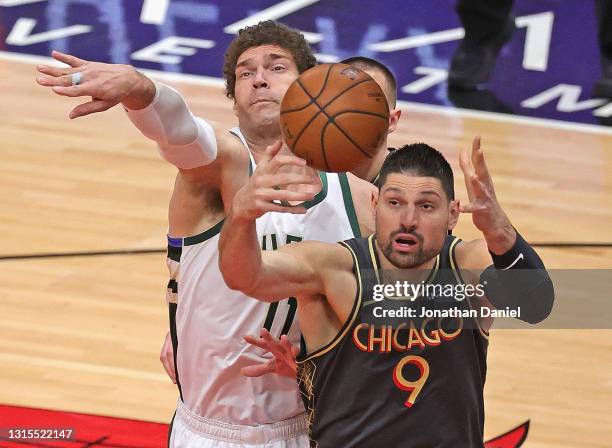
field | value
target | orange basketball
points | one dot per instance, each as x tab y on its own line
334	116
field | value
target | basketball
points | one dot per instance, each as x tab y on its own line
334	116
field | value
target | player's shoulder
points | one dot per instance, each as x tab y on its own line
229	146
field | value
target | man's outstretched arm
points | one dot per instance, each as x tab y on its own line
270	275
201	154
513	273
157	110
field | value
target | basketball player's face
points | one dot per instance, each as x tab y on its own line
263	75
412	219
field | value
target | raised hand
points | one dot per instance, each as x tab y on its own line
284	353
262	193
487	214
106	84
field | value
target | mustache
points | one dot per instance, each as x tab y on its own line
405	230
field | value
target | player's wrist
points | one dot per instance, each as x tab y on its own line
240	215
142	91
501	238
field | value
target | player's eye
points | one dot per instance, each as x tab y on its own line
393	202
278	68
244	74
427	206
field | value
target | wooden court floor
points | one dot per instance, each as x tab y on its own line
83	333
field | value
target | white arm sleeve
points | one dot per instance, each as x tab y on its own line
183	140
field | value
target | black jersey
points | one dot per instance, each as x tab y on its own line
407	382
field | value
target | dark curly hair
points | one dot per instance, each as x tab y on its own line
266	33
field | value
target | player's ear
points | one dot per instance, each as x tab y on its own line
453	214
235	107
374	201
394	117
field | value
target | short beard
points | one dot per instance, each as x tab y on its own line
407	261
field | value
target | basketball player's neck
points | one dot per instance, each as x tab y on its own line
369	171
260	137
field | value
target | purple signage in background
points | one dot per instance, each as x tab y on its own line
547	70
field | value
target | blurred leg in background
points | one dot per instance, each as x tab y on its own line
488	25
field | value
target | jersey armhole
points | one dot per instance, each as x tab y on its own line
303	357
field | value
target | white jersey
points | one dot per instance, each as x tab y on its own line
208	320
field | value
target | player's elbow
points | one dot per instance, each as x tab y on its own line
231	278
236	283
542	299
234	279
528	291
248	288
